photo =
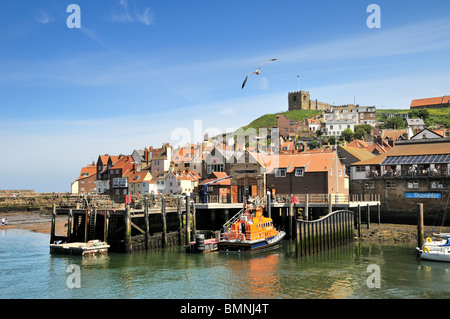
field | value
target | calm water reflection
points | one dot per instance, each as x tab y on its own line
29	271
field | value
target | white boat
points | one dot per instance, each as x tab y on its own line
438	250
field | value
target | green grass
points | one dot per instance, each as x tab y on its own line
269	120
437	116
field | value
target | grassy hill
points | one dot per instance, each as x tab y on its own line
269	120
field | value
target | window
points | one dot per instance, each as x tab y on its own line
391	184
413	184
369	185
360	168
280	172
340	173
299	171
437	185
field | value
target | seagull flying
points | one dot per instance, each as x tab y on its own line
257	71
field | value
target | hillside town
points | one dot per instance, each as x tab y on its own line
343	150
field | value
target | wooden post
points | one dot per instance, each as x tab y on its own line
269	204
180	221
194	219
290	213
127	239
379	213
330	204
188	219
147	224
298	247
306	211
164	230
359	220
86	221
53	225
69	224
420	235
368	216
106	227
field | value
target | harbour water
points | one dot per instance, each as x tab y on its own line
28	271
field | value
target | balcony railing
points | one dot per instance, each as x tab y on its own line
404	173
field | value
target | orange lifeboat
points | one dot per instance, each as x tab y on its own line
250	230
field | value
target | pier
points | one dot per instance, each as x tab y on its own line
159	222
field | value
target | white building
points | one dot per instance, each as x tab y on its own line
335	127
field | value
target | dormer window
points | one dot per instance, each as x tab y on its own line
299	171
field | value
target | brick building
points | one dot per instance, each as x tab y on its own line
411	172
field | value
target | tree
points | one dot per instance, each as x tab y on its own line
395	123
313	144
359	133
347	134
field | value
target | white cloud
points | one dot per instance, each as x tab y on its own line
43	17
141	15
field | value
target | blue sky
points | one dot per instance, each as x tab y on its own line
139	71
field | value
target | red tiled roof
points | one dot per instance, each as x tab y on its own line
358	144
431	101
89	170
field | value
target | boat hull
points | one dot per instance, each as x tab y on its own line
435	255
251	246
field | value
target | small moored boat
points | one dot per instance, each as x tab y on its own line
436	250
249	231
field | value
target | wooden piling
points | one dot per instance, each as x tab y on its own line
180	220
359	220
379	213
306	211
290	213
127	238
147	224
269	204
420	234
368	216
69	224
164	222
330	204
106	227
188	219
53	225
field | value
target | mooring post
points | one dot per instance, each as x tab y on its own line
194	219
164	230
106	227
306	211
420	234
290	213
359	220
368	216
69	224
147	224
180	221
379	213
127	239
330	204
53	226
188	219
